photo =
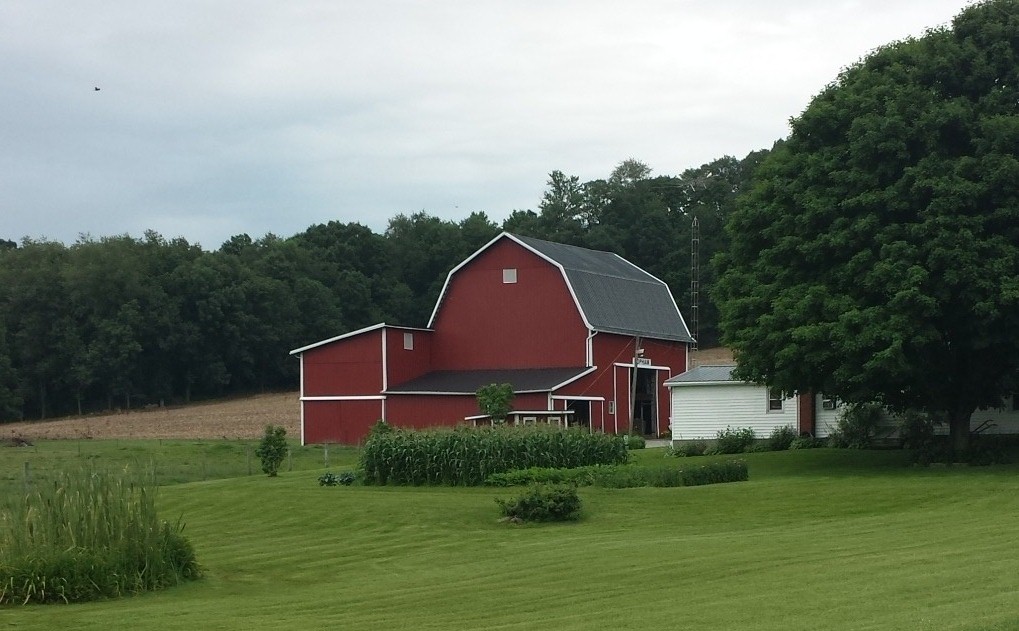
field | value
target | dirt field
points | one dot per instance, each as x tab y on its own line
711	357
233	418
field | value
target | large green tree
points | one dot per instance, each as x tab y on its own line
877	256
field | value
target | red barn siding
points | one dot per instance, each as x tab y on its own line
485	323
612	382
421	411
349	366
402	365
345	422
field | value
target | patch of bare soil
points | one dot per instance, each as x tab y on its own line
718	356
231	418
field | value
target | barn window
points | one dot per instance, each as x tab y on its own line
509	275
408	341
775	400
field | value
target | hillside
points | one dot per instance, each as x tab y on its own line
244	417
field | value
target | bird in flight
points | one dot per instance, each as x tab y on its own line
97	88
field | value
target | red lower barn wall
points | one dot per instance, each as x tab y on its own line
345	422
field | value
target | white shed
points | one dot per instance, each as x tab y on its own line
706	399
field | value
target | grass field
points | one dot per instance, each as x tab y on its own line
817	539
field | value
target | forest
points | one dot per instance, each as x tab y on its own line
120	322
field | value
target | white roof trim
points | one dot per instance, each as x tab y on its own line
366	397
381	325
562	271
570	380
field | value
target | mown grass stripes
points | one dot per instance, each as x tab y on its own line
467	456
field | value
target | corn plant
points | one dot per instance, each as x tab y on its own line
467	456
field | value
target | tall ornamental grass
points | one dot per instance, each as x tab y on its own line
465	456
88	535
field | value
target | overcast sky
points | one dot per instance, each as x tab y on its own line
220	118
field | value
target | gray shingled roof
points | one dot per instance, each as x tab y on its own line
468	381
704	374
615	295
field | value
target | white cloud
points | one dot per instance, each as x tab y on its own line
216	118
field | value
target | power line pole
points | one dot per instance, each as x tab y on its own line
695	280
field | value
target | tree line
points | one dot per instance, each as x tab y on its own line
119	322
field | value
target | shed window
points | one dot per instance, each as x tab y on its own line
827	403
509	275
775	400
408	341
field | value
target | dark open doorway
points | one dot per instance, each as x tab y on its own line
645	411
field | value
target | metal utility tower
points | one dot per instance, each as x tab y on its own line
695	280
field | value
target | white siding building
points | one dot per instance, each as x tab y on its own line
706	399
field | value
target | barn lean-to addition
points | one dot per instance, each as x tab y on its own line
571	329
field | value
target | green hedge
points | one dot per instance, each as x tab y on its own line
626	476
466	456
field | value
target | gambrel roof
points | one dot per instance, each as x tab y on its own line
612	294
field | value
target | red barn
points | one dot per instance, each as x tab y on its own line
571	329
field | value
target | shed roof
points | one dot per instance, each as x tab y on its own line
705	375
468	381
612	294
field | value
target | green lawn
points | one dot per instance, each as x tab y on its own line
816	540
170	461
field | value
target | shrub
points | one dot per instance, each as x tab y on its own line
466	456
89	535
806	441
495	400
781	438
346	478
734	441
716	473
634	441
541	503
858	426
272	449
688	449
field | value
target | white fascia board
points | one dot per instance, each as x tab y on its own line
359	397
449	276
297	351
650	367
562	270
570	380
564	397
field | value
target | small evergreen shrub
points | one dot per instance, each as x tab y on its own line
272	450
541	503
781	438
634	441
859	426
688	449
734	441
